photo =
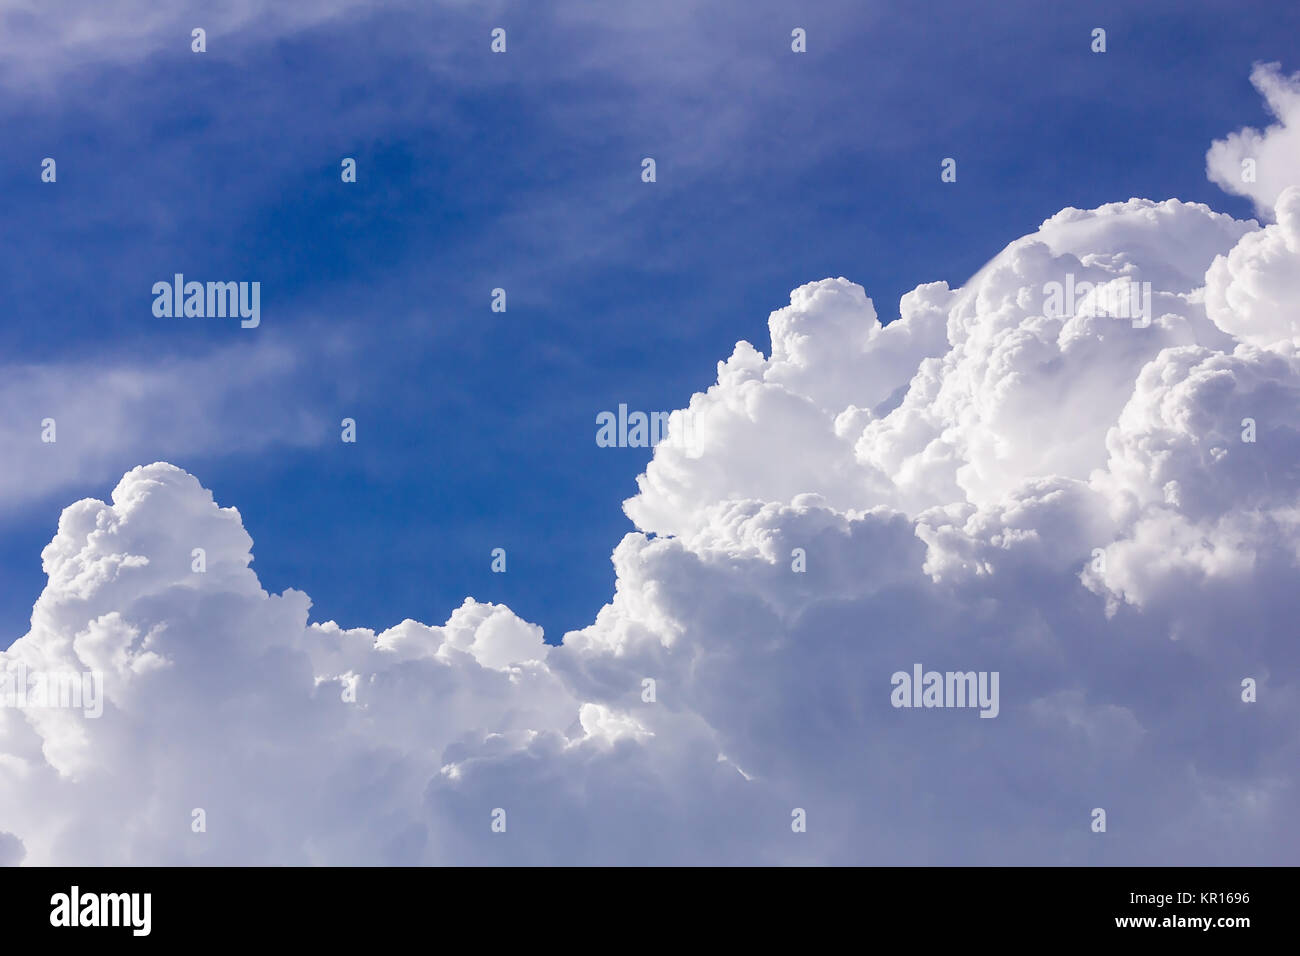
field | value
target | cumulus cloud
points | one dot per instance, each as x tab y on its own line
964	396
1252	291
1260	164
1095	502
219	697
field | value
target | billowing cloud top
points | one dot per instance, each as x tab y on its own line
1257	164
1078	471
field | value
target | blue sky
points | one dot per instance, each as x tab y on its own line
476	430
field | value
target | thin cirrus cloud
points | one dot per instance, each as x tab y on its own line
1069	500
67	423
42	40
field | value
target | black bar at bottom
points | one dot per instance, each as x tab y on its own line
365	906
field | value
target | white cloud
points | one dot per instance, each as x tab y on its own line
43	38
1006	394
1064	499
1252	291
107	415
1259	165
